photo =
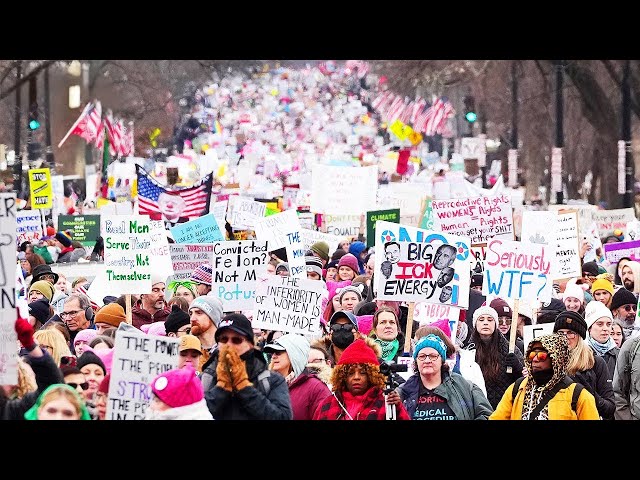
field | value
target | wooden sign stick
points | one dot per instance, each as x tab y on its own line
514	329
409	327
128	309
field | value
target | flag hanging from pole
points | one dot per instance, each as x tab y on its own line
87	124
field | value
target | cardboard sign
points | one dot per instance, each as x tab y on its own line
160	255
392	215
418	265
610	220
427	313
518	270
185	258
8	336
480	218
201	230
288	304
84	228
243	212
40	188
126	252
352	189
236	266
137	359
529	332
283	230
28	226
613	252
342	225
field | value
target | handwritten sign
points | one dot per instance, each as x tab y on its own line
28	226
478	255
84	228
283	230
201	230
8	337
219	210
160	255
126	252
531	332
518	270
243	212
40	188
137	359
426	221
353	189
288	304
185	258
613	252
480	218
418	265
427	313
392	215
236	266
309	237
342	225
610	220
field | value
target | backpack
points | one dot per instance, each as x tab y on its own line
566	383
264	379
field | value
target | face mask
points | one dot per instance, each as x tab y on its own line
542	377
342	339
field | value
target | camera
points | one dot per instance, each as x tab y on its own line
387	368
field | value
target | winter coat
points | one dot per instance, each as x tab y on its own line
463	397
252	402
626	381
373	408
307	391
47	373
597	381
466	362
195	411
610	358
139	316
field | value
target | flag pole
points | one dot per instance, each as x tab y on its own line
82	115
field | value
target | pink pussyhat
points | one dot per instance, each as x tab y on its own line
106	355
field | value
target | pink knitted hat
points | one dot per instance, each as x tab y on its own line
156	328
365	323
178	387
85	335
442	324
106	355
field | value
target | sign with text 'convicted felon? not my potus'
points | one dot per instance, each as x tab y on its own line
418	265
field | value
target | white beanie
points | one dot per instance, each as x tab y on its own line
485	310
573	290
594	311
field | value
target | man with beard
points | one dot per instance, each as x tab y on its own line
343	331
624	305
205	313
630	272
151	307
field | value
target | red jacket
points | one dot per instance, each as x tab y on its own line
307	391
139	316
373	408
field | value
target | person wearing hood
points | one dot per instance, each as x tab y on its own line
289	356
630	276
359	250
236	381
546	393
58	402
177	395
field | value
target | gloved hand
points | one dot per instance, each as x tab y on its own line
223	371
511	361
239	374
25	333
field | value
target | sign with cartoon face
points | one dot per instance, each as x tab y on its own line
417	265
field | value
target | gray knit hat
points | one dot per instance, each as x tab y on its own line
212	306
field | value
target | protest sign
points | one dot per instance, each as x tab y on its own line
307	220
613	252
418	265
609	220
529	332
479	218
408	197
243	212
187	257
519	270
161	263
137	359
287	304
309	237
353	189
426	221
392	215
427	313
219	210
283	230
201	230
28	226
592	237
236	266
84	228
8	297
633	230
40	188
585	213
126	252
478	255
342	225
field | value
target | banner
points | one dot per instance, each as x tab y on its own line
40	188
613	252
137	359
343	190
290	305
480	218
28	226
392	215
518	270
418	265
84	228
201	230
186	258
236	266
126	253
8	336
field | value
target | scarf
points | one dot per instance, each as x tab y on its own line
389	349
601	348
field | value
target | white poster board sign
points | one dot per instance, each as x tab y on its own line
8	336
342	225
28	226
353	189
283	230
186	258
160	255
529	332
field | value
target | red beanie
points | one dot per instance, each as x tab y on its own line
358	352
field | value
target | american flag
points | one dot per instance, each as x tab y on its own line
94	305
196	198
87	124
114	133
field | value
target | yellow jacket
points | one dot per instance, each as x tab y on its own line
559	405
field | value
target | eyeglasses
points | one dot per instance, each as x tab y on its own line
542	355
568	334
431	356
629	307
71	314
186	330
83	386
234	340
336	327
504	321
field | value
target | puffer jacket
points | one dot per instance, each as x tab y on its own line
597	381
307	391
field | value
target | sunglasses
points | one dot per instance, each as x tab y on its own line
234	340
336	327
542	356
630	307
83	386
504	321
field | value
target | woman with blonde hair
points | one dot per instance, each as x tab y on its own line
26	382
58	402
53	341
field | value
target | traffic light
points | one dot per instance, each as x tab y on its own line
470	113
33	122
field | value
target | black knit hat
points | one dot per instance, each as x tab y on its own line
591	268
176	319
90	358
571	321
622	297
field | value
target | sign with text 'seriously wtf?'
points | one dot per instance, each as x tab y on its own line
418	265
518	270
480	218
8	337
290	305
236	266
127	246
137	359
